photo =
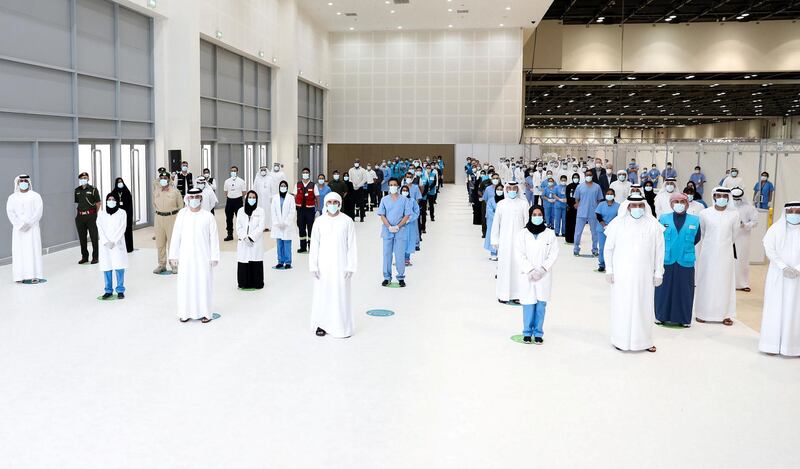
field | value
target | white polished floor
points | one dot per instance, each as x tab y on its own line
123	384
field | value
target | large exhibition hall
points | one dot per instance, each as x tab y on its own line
400	234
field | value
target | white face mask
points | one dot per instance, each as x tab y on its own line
23	186
284	189
184	168
263	172
393	189
356	165
233	174
163	182
670	188
637	213
335	177
111	203
306	176
588	179
321	181
763	178
621	177
120	185
83	182
333	209
499	192
679	208
276	168
252	202
194	203
734	173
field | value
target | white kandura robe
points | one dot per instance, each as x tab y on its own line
715	295
634	254
332	254
250	227
730	182
275	183
194	244
780	321
695	208
748	219
111	228
510	216
662	203
263	187
536	251
209	200
26	246
622	189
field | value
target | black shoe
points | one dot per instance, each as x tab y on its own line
601	269
287	266
184	320
385	283
83	261
278	267
402	283
107	296
538	340
301	251
94	261
320	332
228	238
417	248
527	339
120	296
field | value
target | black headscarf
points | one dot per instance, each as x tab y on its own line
498	198
283	194
248	209
535	229
124	197
109	210
650	196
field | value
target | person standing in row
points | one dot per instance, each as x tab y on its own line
125	199
305	202
571	213
358	177
748	219
24	209
111	225
413	229
394	212
763	191
715	300
337	185
622	187
662	199
320	191
634	254
210	180
510	217
433	189
348	206
332	262
167	202
209	196
184	179
89	203
675	297
262	184
250	223
284	225
234	188
780	322
491	206
587	196
605	212
372	188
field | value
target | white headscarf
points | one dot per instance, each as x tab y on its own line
16	182
332	196
723	190
624	215
778	229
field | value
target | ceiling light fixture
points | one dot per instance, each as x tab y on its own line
689	77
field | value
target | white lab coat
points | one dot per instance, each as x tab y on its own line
333	252
715	295
536	251
284	218
26	246
111	229
263	187
510	216
536	178
662	204
194	244
780	321
622	189
250	227
748	219
634	254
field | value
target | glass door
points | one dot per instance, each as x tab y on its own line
206	158
303	158
95	159
263	155
133	170
249	163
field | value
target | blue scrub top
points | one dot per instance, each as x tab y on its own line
698	179
488	193
607	212
588	198
394	211
326	189
763	191
561	192
670	173
549	193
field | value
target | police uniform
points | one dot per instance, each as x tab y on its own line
167	202
87	197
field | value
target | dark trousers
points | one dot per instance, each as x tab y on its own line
305	222
250	274
423	214
84	224
374	199
361	203
483	218
431	205
231	207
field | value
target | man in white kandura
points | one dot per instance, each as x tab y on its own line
662	200
209	196
510	216
634	254
24	209
622	187
262	184
748	219
332	261
780	321
715	297
195	247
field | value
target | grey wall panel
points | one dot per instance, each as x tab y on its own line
208	134
263	120
229	74
250	136
229	136
34	127
96	97
250	117
264	86
134	102
229	115
34	88
208	81
57	181
36	30
135	61
208	112
95	36
15	159
137	131
237	157
249	77
95	128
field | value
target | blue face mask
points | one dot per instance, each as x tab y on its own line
537	220
393	189
484	177
252	202
512	194
793	218
637	213
333	209
679	208
111	203
721	202
24	186
609	197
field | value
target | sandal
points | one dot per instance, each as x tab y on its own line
727	322
700	320
205	320
184	320
652	349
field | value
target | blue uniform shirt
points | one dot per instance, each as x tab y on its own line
549	193
607	212
561	192
762	193
588	198
653	174
394	211
670	173
488	193
698	179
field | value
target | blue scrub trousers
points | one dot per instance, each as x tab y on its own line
548	213
396	247
602	236
559	217
533	319
580	223
285	251
120	281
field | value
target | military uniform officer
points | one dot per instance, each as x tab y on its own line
88	199
167	202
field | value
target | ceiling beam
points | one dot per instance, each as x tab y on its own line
708	10
778	12
636	10
652	83
600	13
571	4
673	11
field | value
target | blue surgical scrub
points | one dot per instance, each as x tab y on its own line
491	206
763	191
549	202
394	243
588	197
325	190
698	179
413	230
653	174
669	173
607	213
560	210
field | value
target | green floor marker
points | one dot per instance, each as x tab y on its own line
166	272
30	282
110	298
518	339
380	313
215	316
249	289
671	325
393	285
